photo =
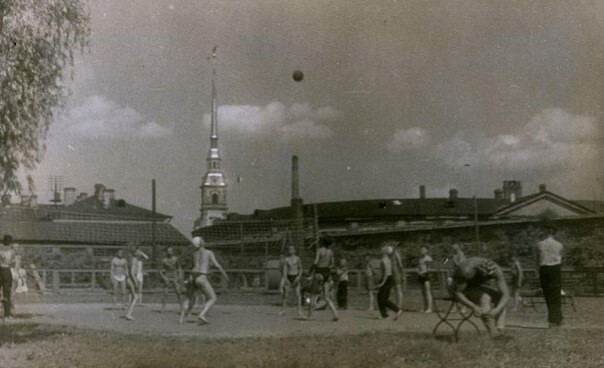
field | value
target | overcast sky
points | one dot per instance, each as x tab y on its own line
461	94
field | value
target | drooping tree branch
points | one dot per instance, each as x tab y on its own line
38	39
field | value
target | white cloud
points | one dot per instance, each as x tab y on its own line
298	121
553	138
408	139
100	118
305	129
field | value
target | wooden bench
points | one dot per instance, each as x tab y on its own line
532	294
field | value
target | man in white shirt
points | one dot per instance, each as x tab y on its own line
549	259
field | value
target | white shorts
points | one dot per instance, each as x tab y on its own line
119	278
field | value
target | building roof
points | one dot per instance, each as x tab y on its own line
410	207
426	208
543	203
86	224
117	208
92	233
594	205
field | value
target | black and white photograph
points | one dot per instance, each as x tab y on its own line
318	183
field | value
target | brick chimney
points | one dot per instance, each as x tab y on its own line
498	194
422	192
453	194
108	197
98	191
69	196
542	188
33	201
512	190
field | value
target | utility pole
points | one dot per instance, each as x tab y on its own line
154	245
476	229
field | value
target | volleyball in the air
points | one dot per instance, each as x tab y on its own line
298	75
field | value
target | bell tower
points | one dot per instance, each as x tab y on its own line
213	185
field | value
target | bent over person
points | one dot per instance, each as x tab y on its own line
203	259
473	286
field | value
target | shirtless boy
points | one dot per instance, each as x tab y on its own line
324	262
203	259
423	277
386	285
137	271
171	274
131	280
471	280
292	272
398	273
119	272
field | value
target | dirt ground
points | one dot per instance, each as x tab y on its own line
97	335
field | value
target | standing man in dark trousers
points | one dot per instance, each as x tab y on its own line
7	258
386	285
549	259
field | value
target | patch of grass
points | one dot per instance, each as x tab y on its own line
88	348
29	332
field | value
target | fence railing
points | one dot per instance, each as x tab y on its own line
589	280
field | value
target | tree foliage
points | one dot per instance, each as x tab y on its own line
38	39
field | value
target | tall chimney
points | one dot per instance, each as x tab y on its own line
295	179
69	196
297	205
108	196
98	191
453	194
422	191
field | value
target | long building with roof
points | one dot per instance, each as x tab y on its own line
99	223
507	203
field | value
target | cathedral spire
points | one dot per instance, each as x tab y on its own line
214	185
214	132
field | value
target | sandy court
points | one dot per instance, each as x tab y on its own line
97	335
228	321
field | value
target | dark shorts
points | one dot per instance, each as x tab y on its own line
422	278
325	272
192	277
474	294
292	279
169	281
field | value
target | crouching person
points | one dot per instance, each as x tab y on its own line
480	284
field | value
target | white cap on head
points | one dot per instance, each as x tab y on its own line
198	241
